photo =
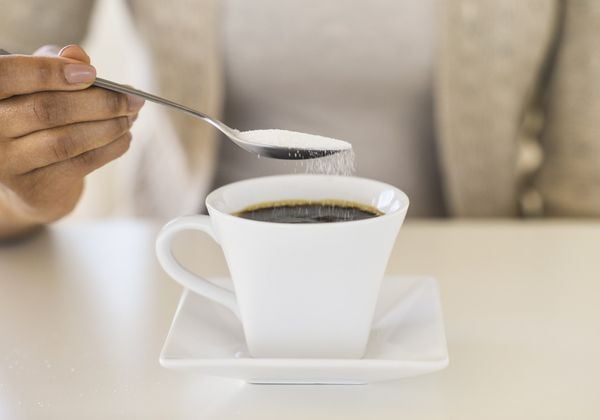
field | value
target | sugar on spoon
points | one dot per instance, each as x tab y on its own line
277	144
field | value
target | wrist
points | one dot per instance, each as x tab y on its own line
13	222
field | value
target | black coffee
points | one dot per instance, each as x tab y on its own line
303	211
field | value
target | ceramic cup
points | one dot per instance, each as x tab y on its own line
301	290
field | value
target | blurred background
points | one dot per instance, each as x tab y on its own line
473	108
118	54
281	88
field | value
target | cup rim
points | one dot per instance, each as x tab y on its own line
400	210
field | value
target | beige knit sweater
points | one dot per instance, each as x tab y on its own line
517	99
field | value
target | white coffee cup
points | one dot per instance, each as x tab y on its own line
301	290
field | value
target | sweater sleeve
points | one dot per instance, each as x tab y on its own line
569	178
28	24
490	55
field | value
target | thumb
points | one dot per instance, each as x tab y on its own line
74	52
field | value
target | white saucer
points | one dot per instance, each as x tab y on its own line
407	339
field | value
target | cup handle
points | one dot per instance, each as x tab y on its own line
184	277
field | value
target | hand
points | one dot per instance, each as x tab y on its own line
54	130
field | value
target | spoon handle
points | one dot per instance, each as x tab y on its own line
117	87
261	149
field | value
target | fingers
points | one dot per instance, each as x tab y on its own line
83	164
22	115
55	189
23	74
74	52
47	147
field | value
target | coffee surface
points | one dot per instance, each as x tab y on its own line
304	211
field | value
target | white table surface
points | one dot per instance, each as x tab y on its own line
84	310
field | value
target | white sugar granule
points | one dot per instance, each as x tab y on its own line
294	140
341	163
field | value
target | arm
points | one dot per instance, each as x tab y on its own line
490	53
569	179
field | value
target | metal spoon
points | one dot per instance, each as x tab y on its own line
264	150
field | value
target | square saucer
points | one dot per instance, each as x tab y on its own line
407	339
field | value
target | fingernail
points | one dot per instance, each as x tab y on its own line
79	73
74	51
134	102
65	48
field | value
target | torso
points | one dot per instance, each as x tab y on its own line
362	74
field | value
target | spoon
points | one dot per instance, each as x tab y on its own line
263	150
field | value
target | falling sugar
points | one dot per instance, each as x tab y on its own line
338	160
341	163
